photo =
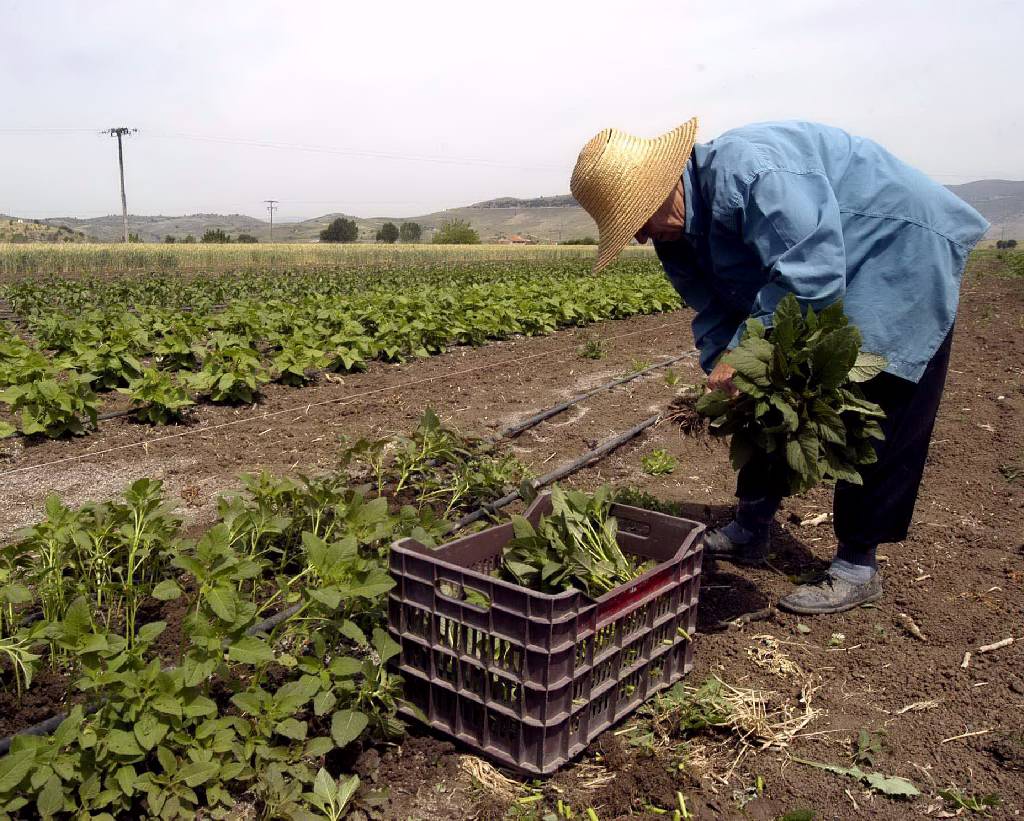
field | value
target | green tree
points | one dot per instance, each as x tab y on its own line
340	230
580	241
410	232
189	239
134	238
215	235
388	233
456	232
169	239
246	238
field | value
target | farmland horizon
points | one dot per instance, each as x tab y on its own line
544	218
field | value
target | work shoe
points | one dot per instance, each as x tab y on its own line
719	546
832	595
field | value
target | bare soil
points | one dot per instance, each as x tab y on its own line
959	576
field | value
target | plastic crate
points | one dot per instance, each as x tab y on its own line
530	678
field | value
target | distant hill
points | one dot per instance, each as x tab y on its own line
544	219
493	220
1001	202
13	229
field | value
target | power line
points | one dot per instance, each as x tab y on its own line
352	152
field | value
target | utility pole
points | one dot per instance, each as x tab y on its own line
271	208
119	132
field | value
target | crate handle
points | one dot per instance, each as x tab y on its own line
632	595
460	593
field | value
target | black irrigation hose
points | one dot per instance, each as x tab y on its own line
50	724
514	430
508	433
579	463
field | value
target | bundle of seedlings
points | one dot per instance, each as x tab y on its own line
799	407
573	546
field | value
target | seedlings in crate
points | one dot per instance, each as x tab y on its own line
575	545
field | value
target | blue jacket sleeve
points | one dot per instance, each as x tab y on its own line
792	222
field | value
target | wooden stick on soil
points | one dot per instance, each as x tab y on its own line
998	645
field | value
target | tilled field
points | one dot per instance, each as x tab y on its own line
805	688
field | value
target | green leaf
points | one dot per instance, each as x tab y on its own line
350	630
316	747
250	650
751	360
223	602
385	646
323	786
198	772
123	743
892	785
13	767
346	725
149	731
149	631
167	590
51	798
324	702
291	728
126	776
867	366
832	357
168	705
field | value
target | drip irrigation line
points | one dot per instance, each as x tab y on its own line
577	464
50	724
305	408
514	430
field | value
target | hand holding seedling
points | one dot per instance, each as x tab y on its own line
720	379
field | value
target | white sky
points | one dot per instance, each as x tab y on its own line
516	87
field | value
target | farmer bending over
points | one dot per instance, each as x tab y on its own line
792	207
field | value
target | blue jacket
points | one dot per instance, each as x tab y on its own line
798	207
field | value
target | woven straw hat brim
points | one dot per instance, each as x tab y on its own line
621	180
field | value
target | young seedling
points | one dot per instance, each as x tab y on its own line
867	746
965	801
592	349
658	463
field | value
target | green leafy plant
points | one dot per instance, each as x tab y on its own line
592	349
574	545
157	398
53	405
659	463
867	747
890	785
972	803
231	375
799	405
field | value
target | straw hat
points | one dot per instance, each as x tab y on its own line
622	180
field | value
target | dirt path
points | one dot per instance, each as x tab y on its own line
959	577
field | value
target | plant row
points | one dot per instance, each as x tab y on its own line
181	701
165	359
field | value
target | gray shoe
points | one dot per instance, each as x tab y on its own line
831	595
719	546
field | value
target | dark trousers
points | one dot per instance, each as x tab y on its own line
881	509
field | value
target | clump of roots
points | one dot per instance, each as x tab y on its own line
683	411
